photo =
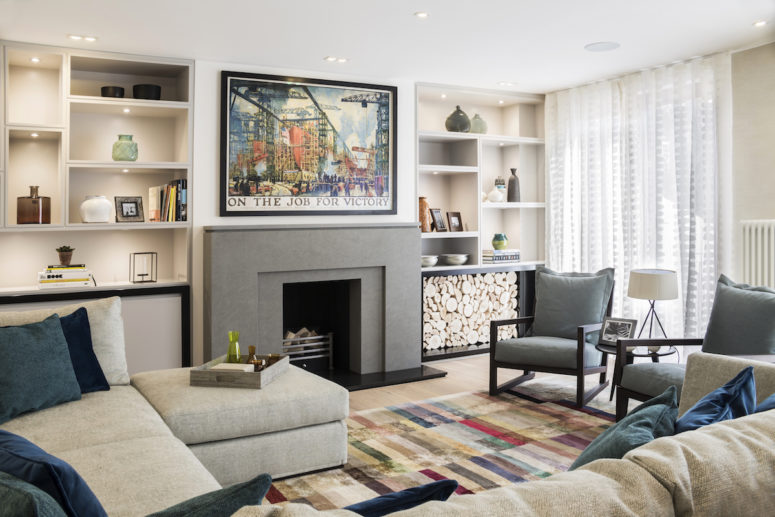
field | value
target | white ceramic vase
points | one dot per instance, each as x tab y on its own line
496	195
95	209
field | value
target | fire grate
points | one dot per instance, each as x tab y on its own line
303	349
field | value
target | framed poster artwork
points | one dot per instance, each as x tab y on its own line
437	220
296	146
616	328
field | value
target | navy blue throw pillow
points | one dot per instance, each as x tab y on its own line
78	335
28	462
405	499
734	399
223	502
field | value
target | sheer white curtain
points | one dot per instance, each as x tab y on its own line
633	179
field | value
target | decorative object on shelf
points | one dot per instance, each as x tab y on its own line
129	209
258	364
496	195
351	168
455	221
429	260
124	149
65	255
143	267
33	209
478	125
503	256
484	196
146	91
513	195
112	91
652	285
455	259
95	209
438	220
425	215
233	355
458	121
65	275
616	328
500	241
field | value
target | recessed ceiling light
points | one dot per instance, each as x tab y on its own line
75	37
505	83
90	39
330	58
341	60
601	46
124	170
35	59
760	23
443	95
500	101
127	110
435	172
34	135
421	15
500	144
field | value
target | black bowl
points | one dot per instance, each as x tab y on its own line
146	91
112	91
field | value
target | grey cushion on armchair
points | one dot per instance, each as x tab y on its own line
555	352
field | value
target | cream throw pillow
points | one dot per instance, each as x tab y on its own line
107	332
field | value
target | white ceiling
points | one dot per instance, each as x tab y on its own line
536	44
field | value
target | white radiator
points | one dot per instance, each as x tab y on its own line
759	252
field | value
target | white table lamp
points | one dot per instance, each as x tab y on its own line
653	285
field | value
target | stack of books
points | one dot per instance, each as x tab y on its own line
168	203
75	275
500	256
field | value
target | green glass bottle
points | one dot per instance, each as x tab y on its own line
233	356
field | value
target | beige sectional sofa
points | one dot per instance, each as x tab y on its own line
722	469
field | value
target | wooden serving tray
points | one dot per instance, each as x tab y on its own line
205	376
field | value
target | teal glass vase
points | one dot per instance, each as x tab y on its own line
233	355
124	149
499	241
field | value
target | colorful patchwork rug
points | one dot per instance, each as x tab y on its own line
481	441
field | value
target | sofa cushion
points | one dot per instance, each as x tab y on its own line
734	399
564	301
85	364
405	499
35	370
544	351
25	460
98	418
650	420
741	320
200	414
21	498
107	332
653	378
223	502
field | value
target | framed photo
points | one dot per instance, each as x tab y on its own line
437	220
129	209
455	221
616	328
298	146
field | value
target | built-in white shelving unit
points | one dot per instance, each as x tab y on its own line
454	170
55	94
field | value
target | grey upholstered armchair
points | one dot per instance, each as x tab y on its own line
561	336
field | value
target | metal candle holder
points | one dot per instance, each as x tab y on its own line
143	267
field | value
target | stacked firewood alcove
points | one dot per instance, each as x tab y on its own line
457	309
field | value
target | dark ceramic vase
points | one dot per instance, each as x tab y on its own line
513	189
458	121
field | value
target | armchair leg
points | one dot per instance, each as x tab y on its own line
495	389
622	402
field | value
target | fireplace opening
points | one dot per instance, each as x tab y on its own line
315	311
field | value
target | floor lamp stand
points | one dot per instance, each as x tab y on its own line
650	315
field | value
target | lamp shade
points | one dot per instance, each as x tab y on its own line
653	284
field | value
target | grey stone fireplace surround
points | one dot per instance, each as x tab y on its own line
245	268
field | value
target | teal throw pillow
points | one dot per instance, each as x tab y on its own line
564	301
223	502
734	399
35	370
405	499
652	419
741	320
21	498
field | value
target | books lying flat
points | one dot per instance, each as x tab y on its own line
500	256
56	276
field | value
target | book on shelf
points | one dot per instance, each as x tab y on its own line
168	203
69	267
65	276
501	261
500	252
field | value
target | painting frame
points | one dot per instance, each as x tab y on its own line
129	209
279	174
612	326
437	220
455	221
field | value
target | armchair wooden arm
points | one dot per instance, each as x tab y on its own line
623	344
581	339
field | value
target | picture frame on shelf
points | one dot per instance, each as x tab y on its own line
616	328
129	209
437	220
455	221
302	146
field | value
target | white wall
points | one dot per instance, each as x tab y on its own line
207	98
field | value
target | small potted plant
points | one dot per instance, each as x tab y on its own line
65	255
